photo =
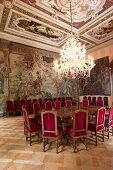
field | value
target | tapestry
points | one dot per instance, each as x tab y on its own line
99	81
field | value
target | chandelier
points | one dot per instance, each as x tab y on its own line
73	61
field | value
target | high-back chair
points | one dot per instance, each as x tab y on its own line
41	101
49	129
16	104
23	102
85	97
89	98
85	103
98	125
68	104
109	121
30	126
80	128
99	98
34	100
105	100
9	107
48	105
100	103
57	104
36	109
94	100
29	105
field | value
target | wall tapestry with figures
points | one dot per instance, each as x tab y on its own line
27	72
99	81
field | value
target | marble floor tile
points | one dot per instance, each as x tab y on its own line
17	154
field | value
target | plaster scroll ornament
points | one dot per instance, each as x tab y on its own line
8	4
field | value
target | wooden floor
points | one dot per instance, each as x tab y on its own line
16	154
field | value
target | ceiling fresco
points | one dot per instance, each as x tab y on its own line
46	24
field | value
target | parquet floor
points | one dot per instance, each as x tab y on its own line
16	154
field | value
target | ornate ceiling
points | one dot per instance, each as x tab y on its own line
46	24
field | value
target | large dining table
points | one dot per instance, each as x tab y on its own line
65	115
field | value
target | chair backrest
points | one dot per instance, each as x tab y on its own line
26	118
94	100
23	102
16	104
41	102
9	106
49	122
68	103
36	108
89	98
80	120
99	97
34	100
48	105
57	104
100	103
85	103
101	117
85	97
29	104
105	101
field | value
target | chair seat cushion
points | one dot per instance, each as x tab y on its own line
74	134
53	135
34	128
33	120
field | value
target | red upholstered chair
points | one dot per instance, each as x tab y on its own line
29	105
99	97
89	98
34	100
94	100
36	109
63	99
9	106
16	104
23	102
68	104
31	127
85	97
57	104
105	100
109	121
80	128
100	103
41	103
97	126
49	129
48	105
85	103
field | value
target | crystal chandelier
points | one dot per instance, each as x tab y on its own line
73	61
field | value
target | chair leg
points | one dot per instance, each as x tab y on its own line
103	135
74	145
44	144
57	146
30	139
96	137
108	132
27	136
86	143
112	130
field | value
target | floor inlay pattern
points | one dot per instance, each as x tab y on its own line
17	154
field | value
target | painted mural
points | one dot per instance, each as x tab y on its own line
99	81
